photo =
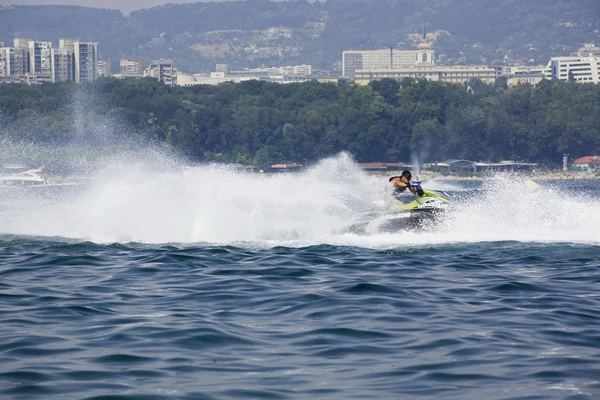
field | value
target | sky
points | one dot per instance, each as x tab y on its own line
125	6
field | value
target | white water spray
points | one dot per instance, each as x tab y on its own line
212	204
209	204
507	210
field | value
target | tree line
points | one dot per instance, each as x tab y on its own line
259	123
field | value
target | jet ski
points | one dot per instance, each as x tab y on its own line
423	213
430	201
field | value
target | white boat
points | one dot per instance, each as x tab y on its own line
30	177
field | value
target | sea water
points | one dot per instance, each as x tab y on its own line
210	283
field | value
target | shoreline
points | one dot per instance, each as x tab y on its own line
554	175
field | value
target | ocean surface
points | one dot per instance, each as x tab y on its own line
209	283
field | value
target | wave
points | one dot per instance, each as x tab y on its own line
218	204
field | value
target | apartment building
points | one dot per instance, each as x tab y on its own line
40	60
68	44
34	61
131	67
21	43
86	61
103	68
162	70
63	65
575	68
5	64
13	61
85	58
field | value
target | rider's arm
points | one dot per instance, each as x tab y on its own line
416	190
398	183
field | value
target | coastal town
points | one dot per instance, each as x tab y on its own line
35	61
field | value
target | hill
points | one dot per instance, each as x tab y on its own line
261	32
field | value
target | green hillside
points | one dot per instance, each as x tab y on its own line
269	33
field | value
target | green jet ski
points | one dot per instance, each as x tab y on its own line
423	213
431	200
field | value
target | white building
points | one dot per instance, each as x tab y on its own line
67	44
521	79
86	61
303	70
222	68
22	43
35	79
162	70
103	68
353	60
454	74
13	61
524	70
63	65
40	61
291	70
579	69
131	67
214	78
85	58
121	76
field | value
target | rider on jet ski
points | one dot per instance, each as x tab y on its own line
402	182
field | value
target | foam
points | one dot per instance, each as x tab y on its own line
221	205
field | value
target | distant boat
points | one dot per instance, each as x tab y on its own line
30	177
